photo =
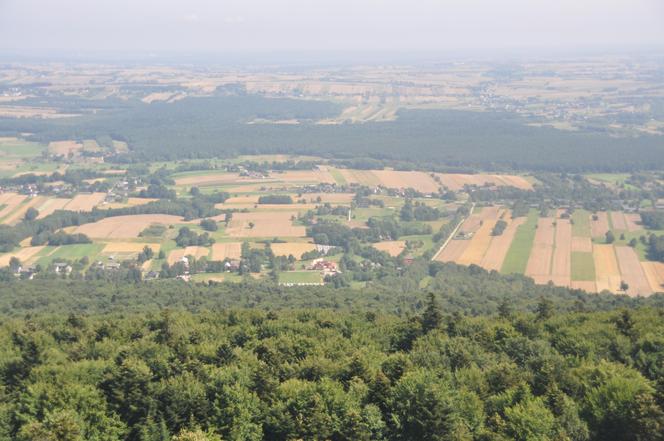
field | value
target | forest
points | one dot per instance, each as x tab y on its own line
321	375
218	127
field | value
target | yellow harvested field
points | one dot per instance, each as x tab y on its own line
17	215
606	268
319	175
456	181
655	274
85	202
618	220
588	286
131	202
11	202
632	272
561	265
294	248
539	262
582	245
129	247
453	251
214	179
227	250
391	247
23	254
475	220
599	227
361	177
479	244
265	224
420	181
495	254
64	148
124	227
247	199
51	205
177	254
633	221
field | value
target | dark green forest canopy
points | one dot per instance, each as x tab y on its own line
217	127
324	375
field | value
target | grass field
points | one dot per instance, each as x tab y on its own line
583	267
581	223
519	252
338	177
296	277
71	252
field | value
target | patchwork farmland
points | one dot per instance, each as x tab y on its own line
559	248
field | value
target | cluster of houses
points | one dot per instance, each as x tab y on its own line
326	267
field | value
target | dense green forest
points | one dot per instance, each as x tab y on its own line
217	126
323	375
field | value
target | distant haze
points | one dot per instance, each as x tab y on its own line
327	25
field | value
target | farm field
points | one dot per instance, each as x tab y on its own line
566	251
549	245
428	182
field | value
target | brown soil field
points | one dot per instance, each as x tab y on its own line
632	272
177	254
599	227
453	251
606	268
618	220
51	205
633	221
655	274
539	262
17	215
266	224
23	254
85	202
584	285
124	227
582	245
391	247
479	244
294	248
456	181
64	148
129	247
230	250
561	266
495	254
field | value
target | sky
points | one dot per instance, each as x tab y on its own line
220	26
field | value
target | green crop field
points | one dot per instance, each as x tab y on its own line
300	277
581	223
583	267
72	252
519	252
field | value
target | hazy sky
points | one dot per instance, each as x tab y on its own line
339	25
